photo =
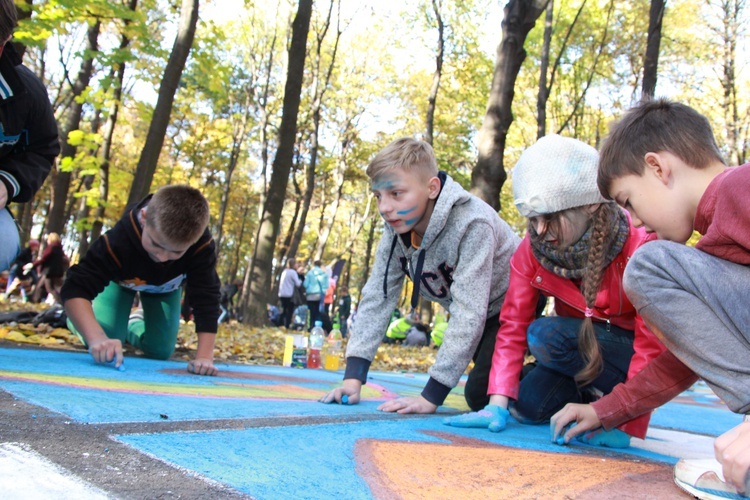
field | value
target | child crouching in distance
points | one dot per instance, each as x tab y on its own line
155	247
456	250
661	162
575	251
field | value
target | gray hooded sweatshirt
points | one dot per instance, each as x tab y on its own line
465	266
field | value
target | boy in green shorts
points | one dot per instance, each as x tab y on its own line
156	246
456	250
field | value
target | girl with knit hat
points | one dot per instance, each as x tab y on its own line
575	251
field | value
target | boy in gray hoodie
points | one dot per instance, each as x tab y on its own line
456	250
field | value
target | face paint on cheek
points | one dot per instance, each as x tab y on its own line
409	222
408	210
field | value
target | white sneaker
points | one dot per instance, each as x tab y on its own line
703	479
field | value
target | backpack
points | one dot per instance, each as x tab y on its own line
54	317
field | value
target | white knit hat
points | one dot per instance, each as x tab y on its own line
554	174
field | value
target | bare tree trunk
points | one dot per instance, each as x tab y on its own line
61	182
591	72
233	268
238	139
488	176
651	61
285	245
731	25
109	131
338	175
319	90
435	87
144	173
543	95
25	219
368	252
258	280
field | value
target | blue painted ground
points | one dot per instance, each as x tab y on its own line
321	456
296	460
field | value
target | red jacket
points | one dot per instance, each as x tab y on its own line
528	279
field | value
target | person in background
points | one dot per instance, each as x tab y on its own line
18	275
287	284
316	284
52	266
345	307
226	299
29	139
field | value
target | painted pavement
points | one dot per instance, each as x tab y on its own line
259	431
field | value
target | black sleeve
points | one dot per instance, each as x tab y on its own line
28	164
93	273
203	286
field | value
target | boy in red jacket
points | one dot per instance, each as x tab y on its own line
661	162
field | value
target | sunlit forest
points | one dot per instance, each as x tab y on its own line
154	92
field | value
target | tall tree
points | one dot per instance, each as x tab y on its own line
435	87
321	83
543	95
258	277
488	176
731	12
116	76
61	183
651	61
144	172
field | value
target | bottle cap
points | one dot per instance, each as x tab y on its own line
318	323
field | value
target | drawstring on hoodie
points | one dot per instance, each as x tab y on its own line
387	265
416	278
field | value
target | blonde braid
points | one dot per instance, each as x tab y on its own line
590	283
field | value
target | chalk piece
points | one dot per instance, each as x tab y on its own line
344	399
120	368
561	438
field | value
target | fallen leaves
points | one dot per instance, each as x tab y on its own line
235	343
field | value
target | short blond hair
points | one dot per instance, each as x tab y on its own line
179	212
407	154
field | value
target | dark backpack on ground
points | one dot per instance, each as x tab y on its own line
54	317
18	316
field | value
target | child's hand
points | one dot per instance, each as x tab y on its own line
408	405
202	366
492	417
106	350
583	415
347	394
732	450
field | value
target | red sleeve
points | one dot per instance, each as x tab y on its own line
519	310
659	382
728	232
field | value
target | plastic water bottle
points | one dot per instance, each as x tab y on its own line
332	356
317	337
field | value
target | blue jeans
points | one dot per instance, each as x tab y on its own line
10	242
549	386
